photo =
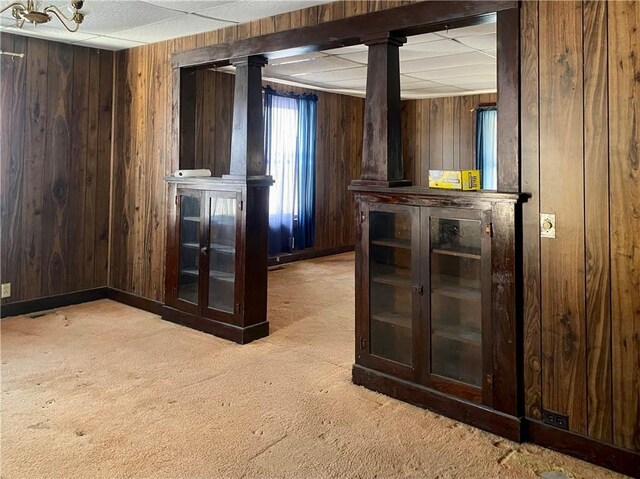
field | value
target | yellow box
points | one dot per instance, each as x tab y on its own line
455	179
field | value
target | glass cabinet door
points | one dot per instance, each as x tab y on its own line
189	247
391	256
456	313
222	227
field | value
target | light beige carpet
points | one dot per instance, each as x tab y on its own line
105	390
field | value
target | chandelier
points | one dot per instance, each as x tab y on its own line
27	13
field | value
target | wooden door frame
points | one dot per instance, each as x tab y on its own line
413	19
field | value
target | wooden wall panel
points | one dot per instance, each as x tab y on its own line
596	207
624	171
439	133
530	175
562	193
55	167
132	268
338	149
579	148
13	120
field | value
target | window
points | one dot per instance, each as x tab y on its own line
487	147
290	135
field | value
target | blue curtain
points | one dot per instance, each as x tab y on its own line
290	141
487	147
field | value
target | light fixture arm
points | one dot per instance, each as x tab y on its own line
22	12
77	17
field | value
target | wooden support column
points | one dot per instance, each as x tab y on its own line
247	137
382	142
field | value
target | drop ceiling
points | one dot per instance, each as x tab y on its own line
456	62
460	61
120	24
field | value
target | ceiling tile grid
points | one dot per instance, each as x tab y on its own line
118	23
453	62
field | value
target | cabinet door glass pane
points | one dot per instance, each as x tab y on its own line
456	312
390	286
189	248
222	253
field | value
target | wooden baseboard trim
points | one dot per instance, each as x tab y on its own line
308	254
217	328
473	414
52	302
587	449
134	300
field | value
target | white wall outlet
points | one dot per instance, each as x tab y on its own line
6	290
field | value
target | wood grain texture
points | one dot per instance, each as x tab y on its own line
562	193
596	209
59	171
530	175
139	167
13	120
624	180
439	133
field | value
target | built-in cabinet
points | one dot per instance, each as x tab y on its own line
425	302
208	226
212	283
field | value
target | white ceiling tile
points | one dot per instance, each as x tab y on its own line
107	17
182	25
49	32
326	63
442	90
485	79
434	49
188	6
407	80
333	75
479	85
468	31
357	84
480	42
425	37
296	58
358	57
461	71
246	10
351	49
419	85
491	53
449	61
108	43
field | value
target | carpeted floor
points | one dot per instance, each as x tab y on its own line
105	390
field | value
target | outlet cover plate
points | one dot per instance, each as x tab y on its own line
6	290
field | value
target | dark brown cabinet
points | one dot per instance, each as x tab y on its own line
432	291
210	285
208	223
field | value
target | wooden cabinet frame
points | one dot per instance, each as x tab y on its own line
489	407
248	321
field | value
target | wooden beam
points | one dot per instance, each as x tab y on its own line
382	136
412	19
247	137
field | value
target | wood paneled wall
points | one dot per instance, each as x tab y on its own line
338	149
579	160
56	154
439	133
581	104
142	143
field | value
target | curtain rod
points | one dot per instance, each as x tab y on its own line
12	54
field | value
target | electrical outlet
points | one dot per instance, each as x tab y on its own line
555	419
6	290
